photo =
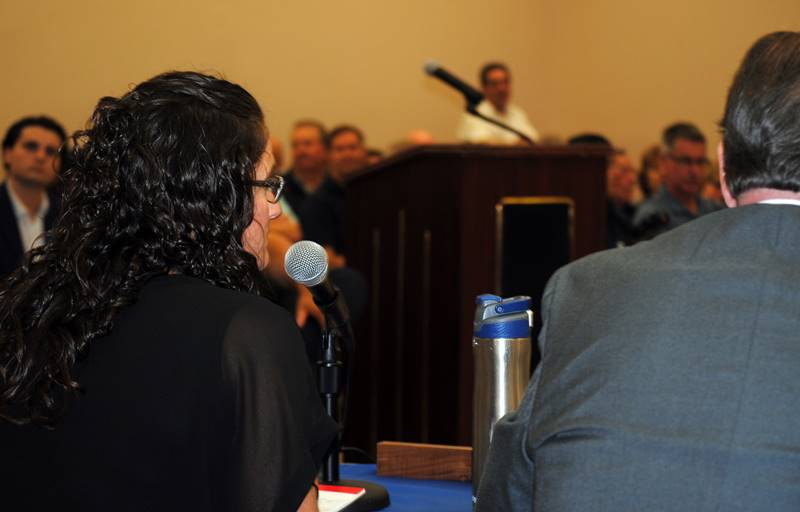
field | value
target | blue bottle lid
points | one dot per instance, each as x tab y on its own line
502	318
516	326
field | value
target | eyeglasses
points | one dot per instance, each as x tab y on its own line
32	146
274	186
688	161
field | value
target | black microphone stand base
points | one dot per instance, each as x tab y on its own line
375	496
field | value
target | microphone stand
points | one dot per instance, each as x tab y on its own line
472	109
330	386
330	372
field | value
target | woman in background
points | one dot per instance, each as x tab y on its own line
650	171
138	368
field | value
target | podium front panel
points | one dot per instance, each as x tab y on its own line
421	227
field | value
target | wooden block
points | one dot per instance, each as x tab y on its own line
425	461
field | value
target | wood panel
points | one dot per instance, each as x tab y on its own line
421	228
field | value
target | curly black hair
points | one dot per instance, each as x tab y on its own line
159	183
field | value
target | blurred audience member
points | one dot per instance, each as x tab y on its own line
31	157
308	179
650	170
348	152
374	155
620	184
277	153
309	162
684	164
322	216
495	80
414	138
419	137
590	139
711	189
322	220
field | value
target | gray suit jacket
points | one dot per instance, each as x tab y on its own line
670	377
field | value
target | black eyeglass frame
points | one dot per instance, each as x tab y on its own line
274	184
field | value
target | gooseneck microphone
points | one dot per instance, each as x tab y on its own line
306	262
472	95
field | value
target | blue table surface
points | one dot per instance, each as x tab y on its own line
408	494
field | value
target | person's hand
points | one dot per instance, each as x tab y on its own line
310	501
286	226
306	307
335	260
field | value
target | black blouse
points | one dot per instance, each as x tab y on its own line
200	399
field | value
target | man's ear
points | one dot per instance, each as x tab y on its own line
730	201
6	153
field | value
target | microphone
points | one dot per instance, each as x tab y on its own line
306	262
472	95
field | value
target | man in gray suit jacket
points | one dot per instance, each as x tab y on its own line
670	374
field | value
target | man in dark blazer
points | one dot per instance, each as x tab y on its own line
309	169
670	375
28	207
684	167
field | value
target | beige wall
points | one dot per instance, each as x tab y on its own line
622	67
627	68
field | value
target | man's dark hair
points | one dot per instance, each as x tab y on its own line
595	140
48	123
313	123
344	128
488	68
761	124
685	131
589	139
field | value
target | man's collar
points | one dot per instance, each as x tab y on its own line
795	202
19	207
487	108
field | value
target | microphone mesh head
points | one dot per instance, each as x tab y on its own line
306	263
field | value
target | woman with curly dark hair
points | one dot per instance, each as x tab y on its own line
138	368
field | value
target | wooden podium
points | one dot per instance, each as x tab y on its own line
420	226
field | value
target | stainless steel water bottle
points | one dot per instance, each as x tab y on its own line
501	346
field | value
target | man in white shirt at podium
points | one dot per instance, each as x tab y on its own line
496	87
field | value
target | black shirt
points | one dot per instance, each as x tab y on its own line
619	224
294	192
200	399
322	217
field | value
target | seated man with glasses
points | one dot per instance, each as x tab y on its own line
685	164
31	160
